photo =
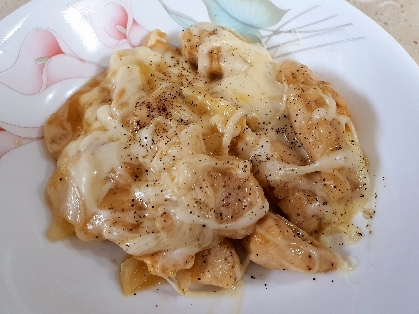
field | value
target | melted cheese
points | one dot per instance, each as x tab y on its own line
171	150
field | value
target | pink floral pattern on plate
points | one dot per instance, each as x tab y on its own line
45	59
12	137
112	21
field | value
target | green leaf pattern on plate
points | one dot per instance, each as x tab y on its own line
246	17
180	18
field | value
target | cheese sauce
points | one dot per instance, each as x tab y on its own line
171	151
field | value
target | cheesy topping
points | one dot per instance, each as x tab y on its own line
174	153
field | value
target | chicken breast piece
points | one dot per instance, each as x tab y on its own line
219	266
278	244
321	121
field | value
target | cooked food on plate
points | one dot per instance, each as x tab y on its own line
200	159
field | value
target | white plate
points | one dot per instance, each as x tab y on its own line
49	48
